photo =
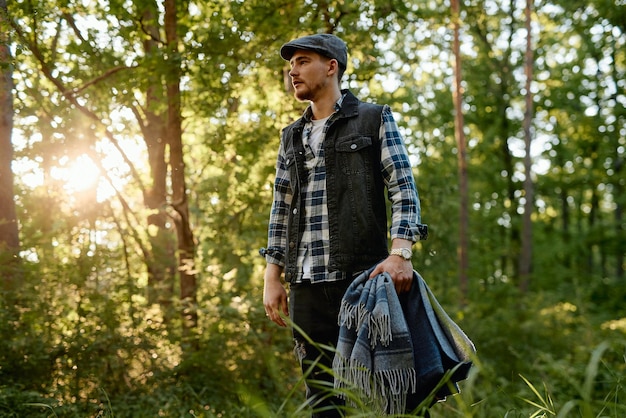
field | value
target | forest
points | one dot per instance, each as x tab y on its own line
138	141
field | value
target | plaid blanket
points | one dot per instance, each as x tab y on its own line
393	350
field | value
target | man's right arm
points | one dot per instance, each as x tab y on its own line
275	295
279	214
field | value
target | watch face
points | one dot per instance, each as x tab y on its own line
406	253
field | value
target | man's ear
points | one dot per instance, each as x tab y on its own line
333	66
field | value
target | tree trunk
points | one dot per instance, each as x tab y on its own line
618	173
620	245
463	246
9	234
525	259
161	263
186	245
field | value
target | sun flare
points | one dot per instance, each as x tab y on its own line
79	175
97	175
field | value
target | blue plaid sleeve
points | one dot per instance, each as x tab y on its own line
398	176
277	231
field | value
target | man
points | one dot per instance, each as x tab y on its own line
328	221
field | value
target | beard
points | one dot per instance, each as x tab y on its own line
308	92
303	94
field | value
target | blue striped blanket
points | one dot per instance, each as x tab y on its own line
394	351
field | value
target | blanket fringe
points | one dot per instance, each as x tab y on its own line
389	387
355	316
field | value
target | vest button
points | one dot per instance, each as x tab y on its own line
292	245
295	211
353	146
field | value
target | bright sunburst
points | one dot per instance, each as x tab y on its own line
78	175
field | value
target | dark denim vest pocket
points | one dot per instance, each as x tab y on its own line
350	153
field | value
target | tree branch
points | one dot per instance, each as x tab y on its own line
108	73
70	96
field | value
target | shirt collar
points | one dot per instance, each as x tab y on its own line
308	113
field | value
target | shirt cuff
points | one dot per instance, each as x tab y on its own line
417	233
273	256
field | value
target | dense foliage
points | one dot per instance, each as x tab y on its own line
99	323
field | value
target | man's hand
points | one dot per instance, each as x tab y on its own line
400	270
275	295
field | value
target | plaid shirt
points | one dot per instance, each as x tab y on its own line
398	177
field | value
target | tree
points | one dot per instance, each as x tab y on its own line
179	198
170	256
525	259
459	130
9	235
584	105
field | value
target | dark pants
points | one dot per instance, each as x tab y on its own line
314	309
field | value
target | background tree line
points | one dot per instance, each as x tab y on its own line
137	149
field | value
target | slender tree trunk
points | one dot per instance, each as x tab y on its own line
618	186
525	259
161	262
463	247
186	245
620	245
9	234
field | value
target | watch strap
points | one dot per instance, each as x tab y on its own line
405	253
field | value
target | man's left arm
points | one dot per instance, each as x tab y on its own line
405	205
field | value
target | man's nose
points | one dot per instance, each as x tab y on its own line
292	71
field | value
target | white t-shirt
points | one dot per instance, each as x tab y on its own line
312	138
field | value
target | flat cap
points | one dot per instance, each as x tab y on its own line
324	44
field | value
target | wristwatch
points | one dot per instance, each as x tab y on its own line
405	253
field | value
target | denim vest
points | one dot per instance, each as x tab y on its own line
357	212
